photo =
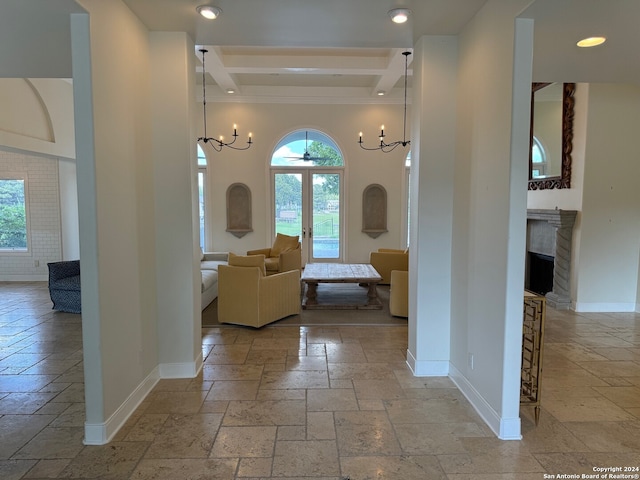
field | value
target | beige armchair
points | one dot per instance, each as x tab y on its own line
385	260
247	297
284	255
399	293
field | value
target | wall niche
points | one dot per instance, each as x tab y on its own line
374	210
239	220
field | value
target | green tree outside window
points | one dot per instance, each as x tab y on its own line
13	216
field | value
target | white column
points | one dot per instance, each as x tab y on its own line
174	162
433	112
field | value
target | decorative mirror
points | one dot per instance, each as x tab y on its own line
552	110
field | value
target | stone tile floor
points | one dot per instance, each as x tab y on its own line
313	402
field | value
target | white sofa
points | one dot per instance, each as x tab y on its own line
209	263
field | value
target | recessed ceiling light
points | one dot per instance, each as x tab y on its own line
230	90
209	11
380	93
591	42
399	15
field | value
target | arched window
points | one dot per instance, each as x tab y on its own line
307	170
538	159
308	148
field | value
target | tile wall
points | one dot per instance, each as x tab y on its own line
43	216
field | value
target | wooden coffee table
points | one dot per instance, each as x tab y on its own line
360	273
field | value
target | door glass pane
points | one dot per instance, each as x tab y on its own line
326	215
288	203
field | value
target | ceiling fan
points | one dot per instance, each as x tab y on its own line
306	156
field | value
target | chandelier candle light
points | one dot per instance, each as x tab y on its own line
217	144
388	147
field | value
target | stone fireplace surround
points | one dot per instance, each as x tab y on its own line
550	232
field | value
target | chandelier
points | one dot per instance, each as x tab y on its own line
388	147
217	144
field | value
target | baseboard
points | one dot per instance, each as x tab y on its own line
430	368
504	428
24	278
584	307
102	433
181	370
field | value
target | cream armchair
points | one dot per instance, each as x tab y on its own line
284	255
399	293
385	260
247	297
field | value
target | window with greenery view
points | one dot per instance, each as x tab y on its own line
307	169
202	177
13	215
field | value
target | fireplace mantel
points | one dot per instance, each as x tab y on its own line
562	222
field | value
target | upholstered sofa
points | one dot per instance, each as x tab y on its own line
64	286
385	260
209	263
64	281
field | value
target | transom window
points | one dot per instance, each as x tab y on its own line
306	148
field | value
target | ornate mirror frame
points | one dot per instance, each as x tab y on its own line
568	102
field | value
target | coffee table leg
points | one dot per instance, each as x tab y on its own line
312	293
373	295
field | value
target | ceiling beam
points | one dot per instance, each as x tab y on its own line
215	67
393	72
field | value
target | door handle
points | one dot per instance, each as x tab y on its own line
310	232
304	232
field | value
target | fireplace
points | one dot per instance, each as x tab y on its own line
540	273
549	239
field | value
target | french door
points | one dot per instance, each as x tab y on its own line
308	202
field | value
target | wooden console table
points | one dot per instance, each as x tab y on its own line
360	273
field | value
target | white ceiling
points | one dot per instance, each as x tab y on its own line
306	50
329	50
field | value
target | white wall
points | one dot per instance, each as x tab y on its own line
607	277
432	194
490	212
115	179
269	123
68	185
173	203
37	116
43	216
